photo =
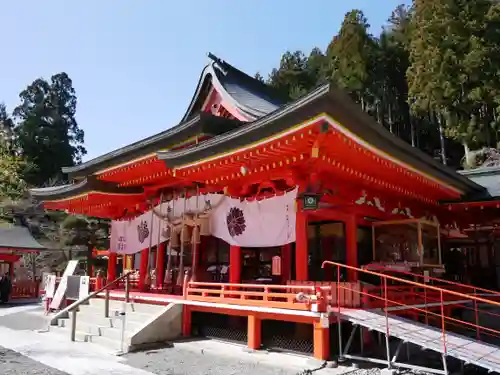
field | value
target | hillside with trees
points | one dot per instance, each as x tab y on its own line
36	141
431	77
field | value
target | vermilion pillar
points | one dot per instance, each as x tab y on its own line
321	341
301	251
160	264
235	265
351	228
286	263
254	332
111	266
143	268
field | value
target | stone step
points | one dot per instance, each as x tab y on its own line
135	318
107	342
94	329
99	303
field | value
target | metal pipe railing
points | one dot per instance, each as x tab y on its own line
73	307
441	318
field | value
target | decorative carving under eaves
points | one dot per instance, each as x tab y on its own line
374	201
404	211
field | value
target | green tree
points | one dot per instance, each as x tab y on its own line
6	128
12	185
451	72
352	58
293	78
47	132
84	232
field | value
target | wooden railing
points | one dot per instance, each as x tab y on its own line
25	289
274	296
349	293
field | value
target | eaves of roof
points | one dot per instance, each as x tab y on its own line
202	123
338	105
86	185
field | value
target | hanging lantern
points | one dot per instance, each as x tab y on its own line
204	225
185	234
195	238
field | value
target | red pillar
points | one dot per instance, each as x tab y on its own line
321	341
111	266
143	268
301	250
186	321
235	265
286	263
160	262
351	227
254	332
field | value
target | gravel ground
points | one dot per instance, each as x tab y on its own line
13	363
178	361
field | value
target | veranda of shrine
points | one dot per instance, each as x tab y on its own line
365	199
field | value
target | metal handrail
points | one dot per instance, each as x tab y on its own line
445	319
443	281
73	307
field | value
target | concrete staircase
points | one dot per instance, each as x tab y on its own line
145	324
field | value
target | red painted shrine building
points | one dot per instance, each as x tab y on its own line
363	197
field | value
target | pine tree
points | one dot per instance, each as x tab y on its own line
47	132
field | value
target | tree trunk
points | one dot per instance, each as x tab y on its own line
441	138
467	154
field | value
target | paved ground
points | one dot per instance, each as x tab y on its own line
23	350
208	357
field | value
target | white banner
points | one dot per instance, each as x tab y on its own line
264	223
268	222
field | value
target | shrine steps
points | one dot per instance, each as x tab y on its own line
145	324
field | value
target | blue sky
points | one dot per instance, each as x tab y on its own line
135	64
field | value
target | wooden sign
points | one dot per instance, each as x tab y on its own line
63	284
276	266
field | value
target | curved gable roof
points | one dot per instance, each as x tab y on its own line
335	103
251	97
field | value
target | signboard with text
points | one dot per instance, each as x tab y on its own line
63	284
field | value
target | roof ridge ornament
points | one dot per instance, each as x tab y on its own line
221	64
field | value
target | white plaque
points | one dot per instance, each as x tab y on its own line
63	284
84	287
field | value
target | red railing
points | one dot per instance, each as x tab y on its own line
446	284
25	289
436	310
274	296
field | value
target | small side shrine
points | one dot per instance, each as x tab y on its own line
410	245
15	241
